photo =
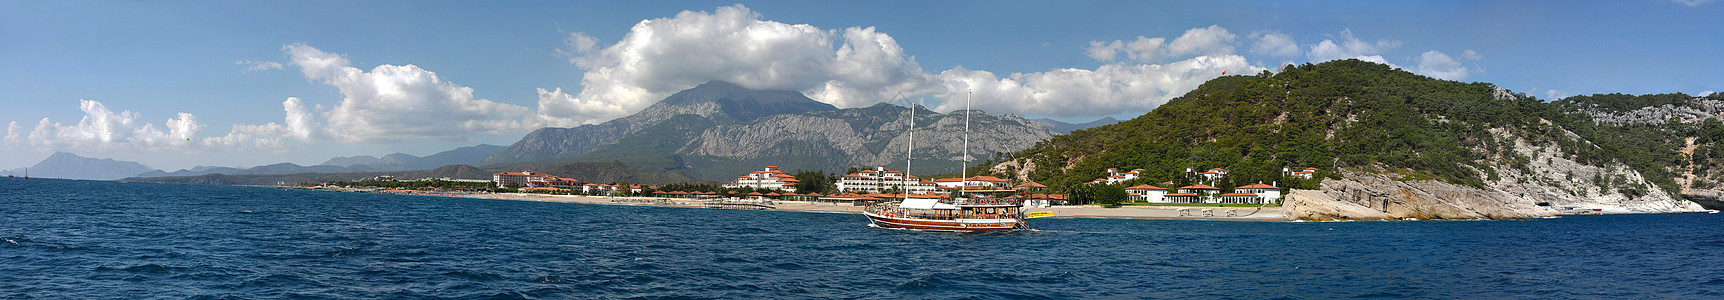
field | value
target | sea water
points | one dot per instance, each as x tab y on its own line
96	239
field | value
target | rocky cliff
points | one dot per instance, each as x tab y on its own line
876	135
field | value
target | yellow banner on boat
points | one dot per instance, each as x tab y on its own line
1039	214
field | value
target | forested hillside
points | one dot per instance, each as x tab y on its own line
1337	114
1360	116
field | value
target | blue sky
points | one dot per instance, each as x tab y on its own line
178	84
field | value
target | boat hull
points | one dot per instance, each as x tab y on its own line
944	225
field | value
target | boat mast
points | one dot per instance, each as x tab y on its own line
909	151
964	166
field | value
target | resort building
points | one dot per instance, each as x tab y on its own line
1045	200
1266	194
599	188
1147	193
1214	174
769	178
985	183
530	179
1307	173
880	180
1202	190
949	183
1182	198
1239	198
1031	188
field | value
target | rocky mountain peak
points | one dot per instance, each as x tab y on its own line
737	103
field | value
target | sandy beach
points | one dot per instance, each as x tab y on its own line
1075	211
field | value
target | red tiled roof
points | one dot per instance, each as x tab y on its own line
987	178
1145	187
1238	194
1258	186
1032	184
1200	186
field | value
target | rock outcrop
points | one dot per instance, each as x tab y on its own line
1548	184
1693	111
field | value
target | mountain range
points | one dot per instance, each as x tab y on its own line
1067	128
71	166
720	130
365	163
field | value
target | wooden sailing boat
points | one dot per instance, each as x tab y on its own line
957	214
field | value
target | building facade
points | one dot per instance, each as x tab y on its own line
769	178
879	180
1147	193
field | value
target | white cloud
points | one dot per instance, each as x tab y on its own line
1351	47
1692	3
1275	44
858	66
1212	40
1107	90
393	102
849	67
1707	93
258	65
1472	55
576	45
1438	65
103	130
14	133
1553	95
385	104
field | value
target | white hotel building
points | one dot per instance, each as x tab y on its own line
879	180
770	178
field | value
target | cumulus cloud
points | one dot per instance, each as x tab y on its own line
1472	55
1107	90
1707	93
850	67
1274	44
1212	40
258	65
392	102
1438	65
384	104
102	130
1350	46
860	66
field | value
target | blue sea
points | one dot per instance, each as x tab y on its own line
96	239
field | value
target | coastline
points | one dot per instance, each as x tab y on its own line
1274	214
